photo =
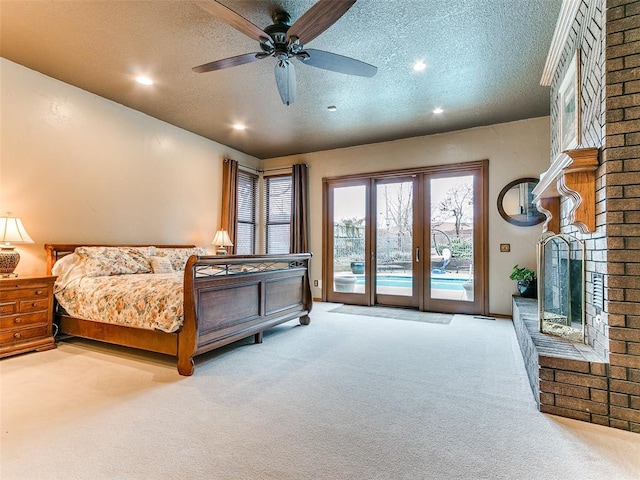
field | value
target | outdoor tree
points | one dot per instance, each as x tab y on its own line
457	205
398	209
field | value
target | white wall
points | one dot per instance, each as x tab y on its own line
78	168
515	150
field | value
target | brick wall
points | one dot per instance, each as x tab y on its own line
574	389
608	34
621	158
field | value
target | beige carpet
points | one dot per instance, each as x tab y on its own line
347	397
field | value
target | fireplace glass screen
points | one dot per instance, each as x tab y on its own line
561	290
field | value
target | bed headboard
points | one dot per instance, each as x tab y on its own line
55	251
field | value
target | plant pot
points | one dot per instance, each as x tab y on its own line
345	283
468	290
357	267
528	289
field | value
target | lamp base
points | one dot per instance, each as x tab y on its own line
221	251
9	259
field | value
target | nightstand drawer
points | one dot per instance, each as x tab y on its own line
36	291
17	321
34	305
8	308
15	336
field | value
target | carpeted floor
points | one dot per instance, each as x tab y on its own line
347	397
396	313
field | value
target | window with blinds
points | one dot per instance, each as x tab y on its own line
247	197
278	213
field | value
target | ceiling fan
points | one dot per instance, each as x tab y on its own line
284	42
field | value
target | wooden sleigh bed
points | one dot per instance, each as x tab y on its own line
226	298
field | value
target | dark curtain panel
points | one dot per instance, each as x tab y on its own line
229	217
300	209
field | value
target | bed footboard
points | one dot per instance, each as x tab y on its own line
230	298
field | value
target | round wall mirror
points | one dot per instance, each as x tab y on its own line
515	203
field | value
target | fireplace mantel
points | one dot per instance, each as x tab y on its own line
571	175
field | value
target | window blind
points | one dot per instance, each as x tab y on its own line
278	213
247	196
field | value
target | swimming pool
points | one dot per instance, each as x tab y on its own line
405	281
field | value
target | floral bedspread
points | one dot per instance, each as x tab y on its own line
151	301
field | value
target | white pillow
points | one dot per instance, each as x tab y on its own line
161	265
67	269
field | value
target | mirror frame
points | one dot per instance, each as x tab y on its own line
506	216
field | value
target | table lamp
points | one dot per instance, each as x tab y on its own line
12	232
222	240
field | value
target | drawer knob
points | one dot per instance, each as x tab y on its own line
17	335
38	292
17	320
34	304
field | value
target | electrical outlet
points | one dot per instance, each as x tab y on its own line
315	283
505	247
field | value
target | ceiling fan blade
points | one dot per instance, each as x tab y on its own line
228	62
232	18
318	18
337	63
286	81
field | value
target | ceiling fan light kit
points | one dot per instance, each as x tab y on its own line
284	42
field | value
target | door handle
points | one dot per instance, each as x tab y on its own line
417	254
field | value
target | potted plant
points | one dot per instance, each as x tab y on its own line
527	281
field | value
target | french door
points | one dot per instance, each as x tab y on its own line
396	228
410	238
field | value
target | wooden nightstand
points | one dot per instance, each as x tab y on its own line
26	314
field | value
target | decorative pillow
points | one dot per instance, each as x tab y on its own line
104	261
161	265
179	256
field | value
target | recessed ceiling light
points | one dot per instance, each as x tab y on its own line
437	110
419	66
239	126
332	108
141	79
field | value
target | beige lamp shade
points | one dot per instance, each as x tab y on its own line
222	240
12	232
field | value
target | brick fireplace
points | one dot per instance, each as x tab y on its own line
600	382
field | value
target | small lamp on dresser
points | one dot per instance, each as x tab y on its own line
222	240
12	232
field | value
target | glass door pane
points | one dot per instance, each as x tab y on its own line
349	213
451	238
394	241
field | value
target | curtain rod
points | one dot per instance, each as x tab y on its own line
245	167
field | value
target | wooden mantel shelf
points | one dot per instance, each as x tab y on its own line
572	175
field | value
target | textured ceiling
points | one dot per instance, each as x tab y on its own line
484	61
